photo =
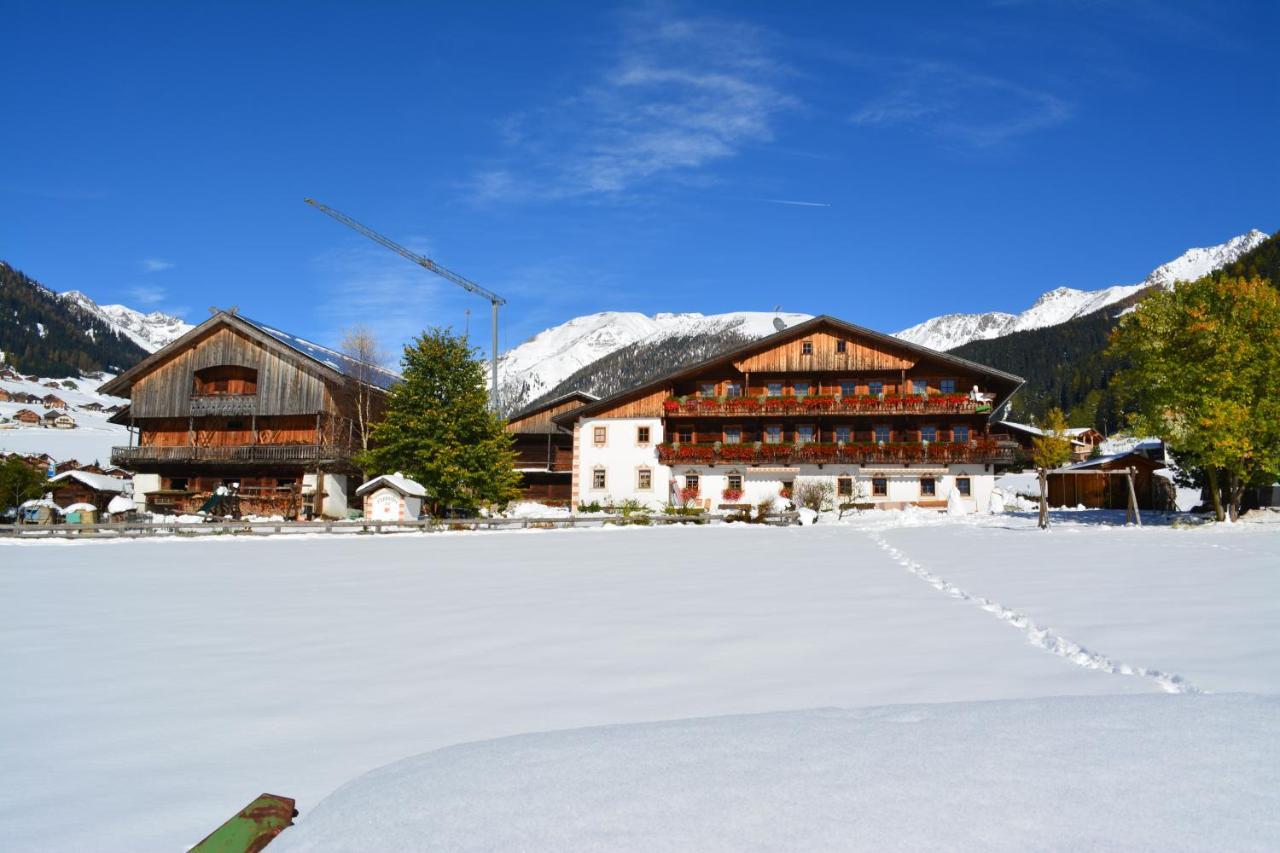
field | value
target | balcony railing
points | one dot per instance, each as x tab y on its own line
126	457
859	453
223	404
934	404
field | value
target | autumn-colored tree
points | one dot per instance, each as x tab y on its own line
440	431
1204	376
1049	450
361	346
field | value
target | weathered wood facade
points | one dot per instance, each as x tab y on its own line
237	405
1101	484
544	449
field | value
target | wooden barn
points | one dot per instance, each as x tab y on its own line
53	401
238	405
26	416
6	397
83	487
544	449
1100	483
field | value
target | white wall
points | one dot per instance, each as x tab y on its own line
143	485
621	457
387	504
334	504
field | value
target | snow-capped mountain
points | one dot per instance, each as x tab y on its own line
149	331
543	361
1062	304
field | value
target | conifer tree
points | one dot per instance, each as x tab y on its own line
439	430
1204	376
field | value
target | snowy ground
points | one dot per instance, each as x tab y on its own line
90	441
160	685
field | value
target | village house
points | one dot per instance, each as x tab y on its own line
91	407
883	421
53	401
240	406
544	448
83	487
50	416
26	416
1082	439
6	397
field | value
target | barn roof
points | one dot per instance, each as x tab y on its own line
97	482
328	361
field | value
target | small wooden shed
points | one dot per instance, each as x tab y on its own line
39	511
392	497
1100	483
80	513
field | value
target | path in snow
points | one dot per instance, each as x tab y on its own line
1042	637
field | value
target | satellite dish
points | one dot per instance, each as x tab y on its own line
778	324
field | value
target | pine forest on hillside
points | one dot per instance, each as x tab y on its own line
45	335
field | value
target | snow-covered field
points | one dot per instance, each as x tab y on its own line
153	688
90	441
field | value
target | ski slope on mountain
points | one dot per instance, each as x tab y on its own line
1064	303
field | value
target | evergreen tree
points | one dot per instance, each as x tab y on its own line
439	430
19	482
1205	377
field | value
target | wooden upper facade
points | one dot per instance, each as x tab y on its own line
821	368
234	392
544	448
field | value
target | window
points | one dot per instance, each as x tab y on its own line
734	482
804	433
875	387
773	434
178	484
841	346
960	434
882	433
806	348
848	388
928	433
597	478
844	434
919	386
733	435
642	435
644	479
286	482
599	433
733	389
928	487
844	487
947	386
775	389
237	425
963	486
707	389
802	389
225	379
879	486
684	435
691	483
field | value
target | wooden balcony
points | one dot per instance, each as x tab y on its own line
225	405
251	454
861	453
739	407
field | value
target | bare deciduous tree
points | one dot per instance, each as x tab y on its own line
361	346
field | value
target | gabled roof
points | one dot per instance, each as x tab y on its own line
550	425
328	362
799	330
397	481
1100	461
97	482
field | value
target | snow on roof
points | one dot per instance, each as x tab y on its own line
97	482
40	502
1037	431
80	507
397	481
120	503
1097	461
371	373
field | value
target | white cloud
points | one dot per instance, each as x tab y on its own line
156	265
148	296
979	110
675	96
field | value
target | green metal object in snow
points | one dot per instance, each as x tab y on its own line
253	828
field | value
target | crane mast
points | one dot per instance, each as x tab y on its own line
465	283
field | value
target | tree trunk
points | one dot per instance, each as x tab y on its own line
1212	475
1235	493
1044	499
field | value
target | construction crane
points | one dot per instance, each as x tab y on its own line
494	299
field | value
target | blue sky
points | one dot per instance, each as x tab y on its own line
882	165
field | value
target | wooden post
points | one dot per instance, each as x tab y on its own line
1044	498
1133	498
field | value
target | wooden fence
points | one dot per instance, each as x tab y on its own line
149	529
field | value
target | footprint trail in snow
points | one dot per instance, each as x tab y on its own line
1042	637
